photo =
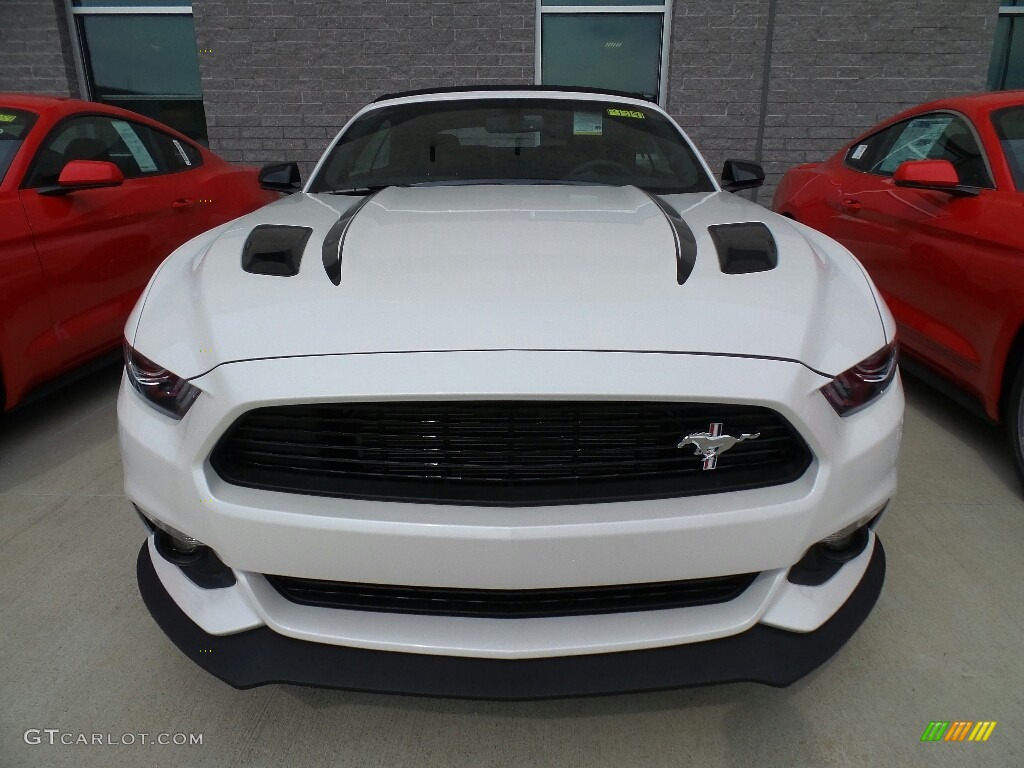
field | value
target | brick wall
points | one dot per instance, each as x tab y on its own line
282	77
715	75
33	42
833	70
786	81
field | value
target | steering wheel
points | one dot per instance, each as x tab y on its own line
596	166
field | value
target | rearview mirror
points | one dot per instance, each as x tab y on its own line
936	175
84	174
741	174
281	177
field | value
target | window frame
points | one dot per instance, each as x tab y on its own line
73	12
1016	175
74	16
970	126
665	9
62	123
1000	60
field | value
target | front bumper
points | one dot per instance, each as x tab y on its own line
761	654
771	630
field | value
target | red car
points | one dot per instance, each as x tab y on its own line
92	199
932	202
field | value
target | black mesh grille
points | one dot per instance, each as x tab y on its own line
512	604
505	453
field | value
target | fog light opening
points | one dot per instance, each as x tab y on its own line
180	551
825	558
185	546
171	539
841	547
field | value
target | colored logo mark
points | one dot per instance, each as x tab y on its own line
958	730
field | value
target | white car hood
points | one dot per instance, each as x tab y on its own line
508	267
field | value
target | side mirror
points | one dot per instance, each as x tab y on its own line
84	174
936	175
741	174
281	177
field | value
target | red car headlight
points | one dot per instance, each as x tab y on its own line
168	393
857	387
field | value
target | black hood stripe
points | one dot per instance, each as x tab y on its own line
685	242
334	243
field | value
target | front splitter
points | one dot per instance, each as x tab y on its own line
761	654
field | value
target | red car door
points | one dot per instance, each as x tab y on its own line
99	247
27	344
919	245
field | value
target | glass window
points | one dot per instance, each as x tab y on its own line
601	2
620	52
135	149
1009	124
526	141
937	136
146	62
1006	68
14	127
865	154
131	3
603	45
916	139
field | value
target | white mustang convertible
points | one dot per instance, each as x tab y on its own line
511	399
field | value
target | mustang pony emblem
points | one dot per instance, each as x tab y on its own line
712	443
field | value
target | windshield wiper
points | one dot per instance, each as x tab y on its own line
367	190
371	188
509	181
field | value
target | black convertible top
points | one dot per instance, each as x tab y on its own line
516	87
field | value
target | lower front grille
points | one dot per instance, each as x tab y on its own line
508	453
512	604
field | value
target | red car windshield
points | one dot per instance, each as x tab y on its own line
512	141
1009	124
14	127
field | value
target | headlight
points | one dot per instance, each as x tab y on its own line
168	393
857	387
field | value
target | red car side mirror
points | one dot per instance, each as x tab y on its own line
85	174
936	175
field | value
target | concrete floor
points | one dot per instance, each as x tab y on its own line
81	654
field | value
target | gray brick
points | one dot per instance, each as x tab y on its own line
347	53
33	55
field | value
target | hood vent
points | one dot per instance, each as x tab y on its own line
745	248
334	243
275	249
685	242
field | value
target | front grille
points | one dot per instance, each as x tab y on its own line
504	453
512	604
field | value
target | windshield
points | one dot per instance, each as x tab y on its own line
1009	125
512	141
14	127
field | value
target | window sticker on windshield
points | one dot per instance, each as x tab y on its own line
5	118
135	146
858	152
627	113
587	123
181	152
